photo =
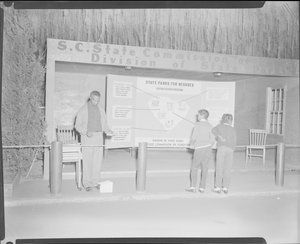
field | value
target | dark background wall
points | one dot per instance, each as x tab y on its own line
271	31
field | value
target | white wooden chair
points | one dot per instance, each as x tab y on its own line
71	149
258	142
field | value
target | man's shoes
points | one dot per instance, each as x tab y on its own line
201	190
217	190
225	190
88	188
191	189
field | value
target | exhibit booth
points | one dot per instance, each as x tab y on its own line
149	94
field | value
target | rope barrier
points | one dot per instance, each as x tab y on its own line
92	145
36	146
75	145
270	145
23	146
293	146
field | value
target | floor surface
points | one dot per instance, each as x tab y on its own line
254	207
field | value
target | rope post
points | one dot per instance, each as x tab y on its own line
141	167
279	174
56	167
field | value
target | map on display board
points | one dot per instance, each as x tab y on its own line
162	112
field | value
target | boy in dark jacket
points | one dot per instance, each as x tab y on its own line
202	140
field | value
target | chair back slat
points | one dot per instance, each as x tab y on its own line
67	134
258	137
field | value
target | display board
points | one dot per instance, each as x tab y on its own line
162	112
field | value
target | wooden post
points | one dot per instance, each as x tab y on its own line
141	167
279	174
56	167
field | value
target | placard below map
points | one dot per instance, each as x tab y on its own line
165	142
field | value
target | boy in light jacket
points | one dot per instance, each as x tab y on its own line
226	136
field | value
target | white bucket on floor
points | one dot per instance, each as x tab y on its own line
106	186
